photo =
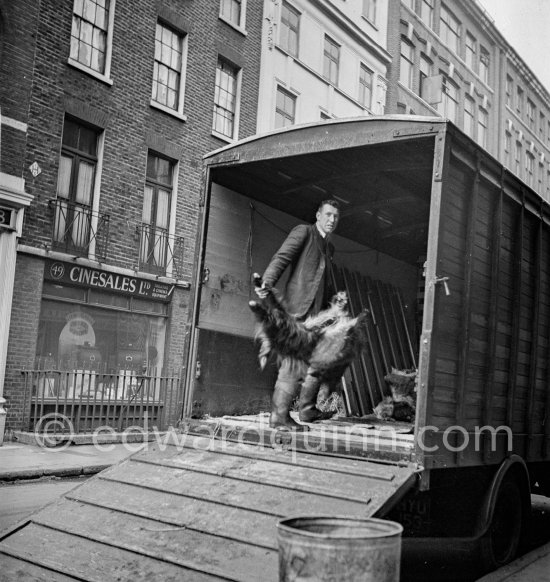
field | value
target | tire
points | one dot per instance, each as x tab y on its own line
500	543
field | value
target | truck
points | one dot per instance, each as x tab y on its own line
448	251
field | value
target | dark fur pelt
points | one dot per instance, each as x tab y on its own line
326	342
401	405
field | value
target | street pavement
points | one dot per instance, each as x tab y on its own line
20	461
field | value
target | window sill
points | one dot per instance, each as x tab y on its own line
223	137
369	22
164	109
91	72
239	29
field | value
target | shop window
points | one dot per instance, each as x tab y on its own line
91	35
285	108
331	60
226	98
75	187
168	73
290	29
155	219
90	337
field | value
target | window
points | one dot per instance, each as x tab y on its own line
518	158
509	89
542	125
482	124
427	12
369	10
450	29
75	186
469	112
233	11
484	60
548	132
507	149
324	116
531	114
167	73
365	86
426	71
470	57
91	34
449	100
81	329
519	100
540	177
285	108
529	168
226	99
331	60
155	218
290	27
406	64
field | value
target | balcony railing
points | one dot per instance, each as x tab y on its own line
77	230
89	399
159	252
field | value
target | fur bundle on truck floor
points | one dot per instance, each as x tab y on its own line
326	342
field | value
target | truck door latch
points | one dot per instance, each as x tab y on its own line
198	370
439	280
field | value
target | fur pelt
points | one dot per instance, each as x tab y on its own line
326	342
401	405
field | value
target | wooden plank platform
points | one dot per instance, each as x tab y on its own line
199	507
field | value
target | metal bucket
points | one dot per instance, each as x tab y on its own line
339	549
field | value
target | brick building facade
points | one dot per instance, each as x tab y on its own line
107	109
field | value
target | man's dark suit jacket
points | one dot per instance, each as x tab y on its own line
307	253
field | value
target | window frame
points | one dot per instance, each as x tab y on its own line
470	51
482	127
446	30
331	63
469	114
104	76
237	97
369	10
73	206
427	12
422	75
447	98
529	168
241	24
366	87
409	59
288	27
484	64
283	113
183	37
509	91
520	99
163	267
530	110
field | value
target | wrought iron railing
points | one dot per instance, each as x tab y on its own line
159	252
75	228
82	401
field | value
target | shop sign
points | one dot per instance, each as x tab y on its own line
82	276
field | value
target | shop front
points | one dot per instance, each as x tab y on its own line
101	351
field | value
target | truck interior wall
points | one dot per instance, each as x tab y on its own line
491	333
242	236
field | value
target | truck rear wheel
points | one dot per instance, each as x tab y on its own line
500	543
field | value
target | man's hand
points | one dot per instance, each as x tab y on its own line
260	287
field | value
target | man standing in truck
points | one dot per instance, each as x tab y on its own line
307	252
